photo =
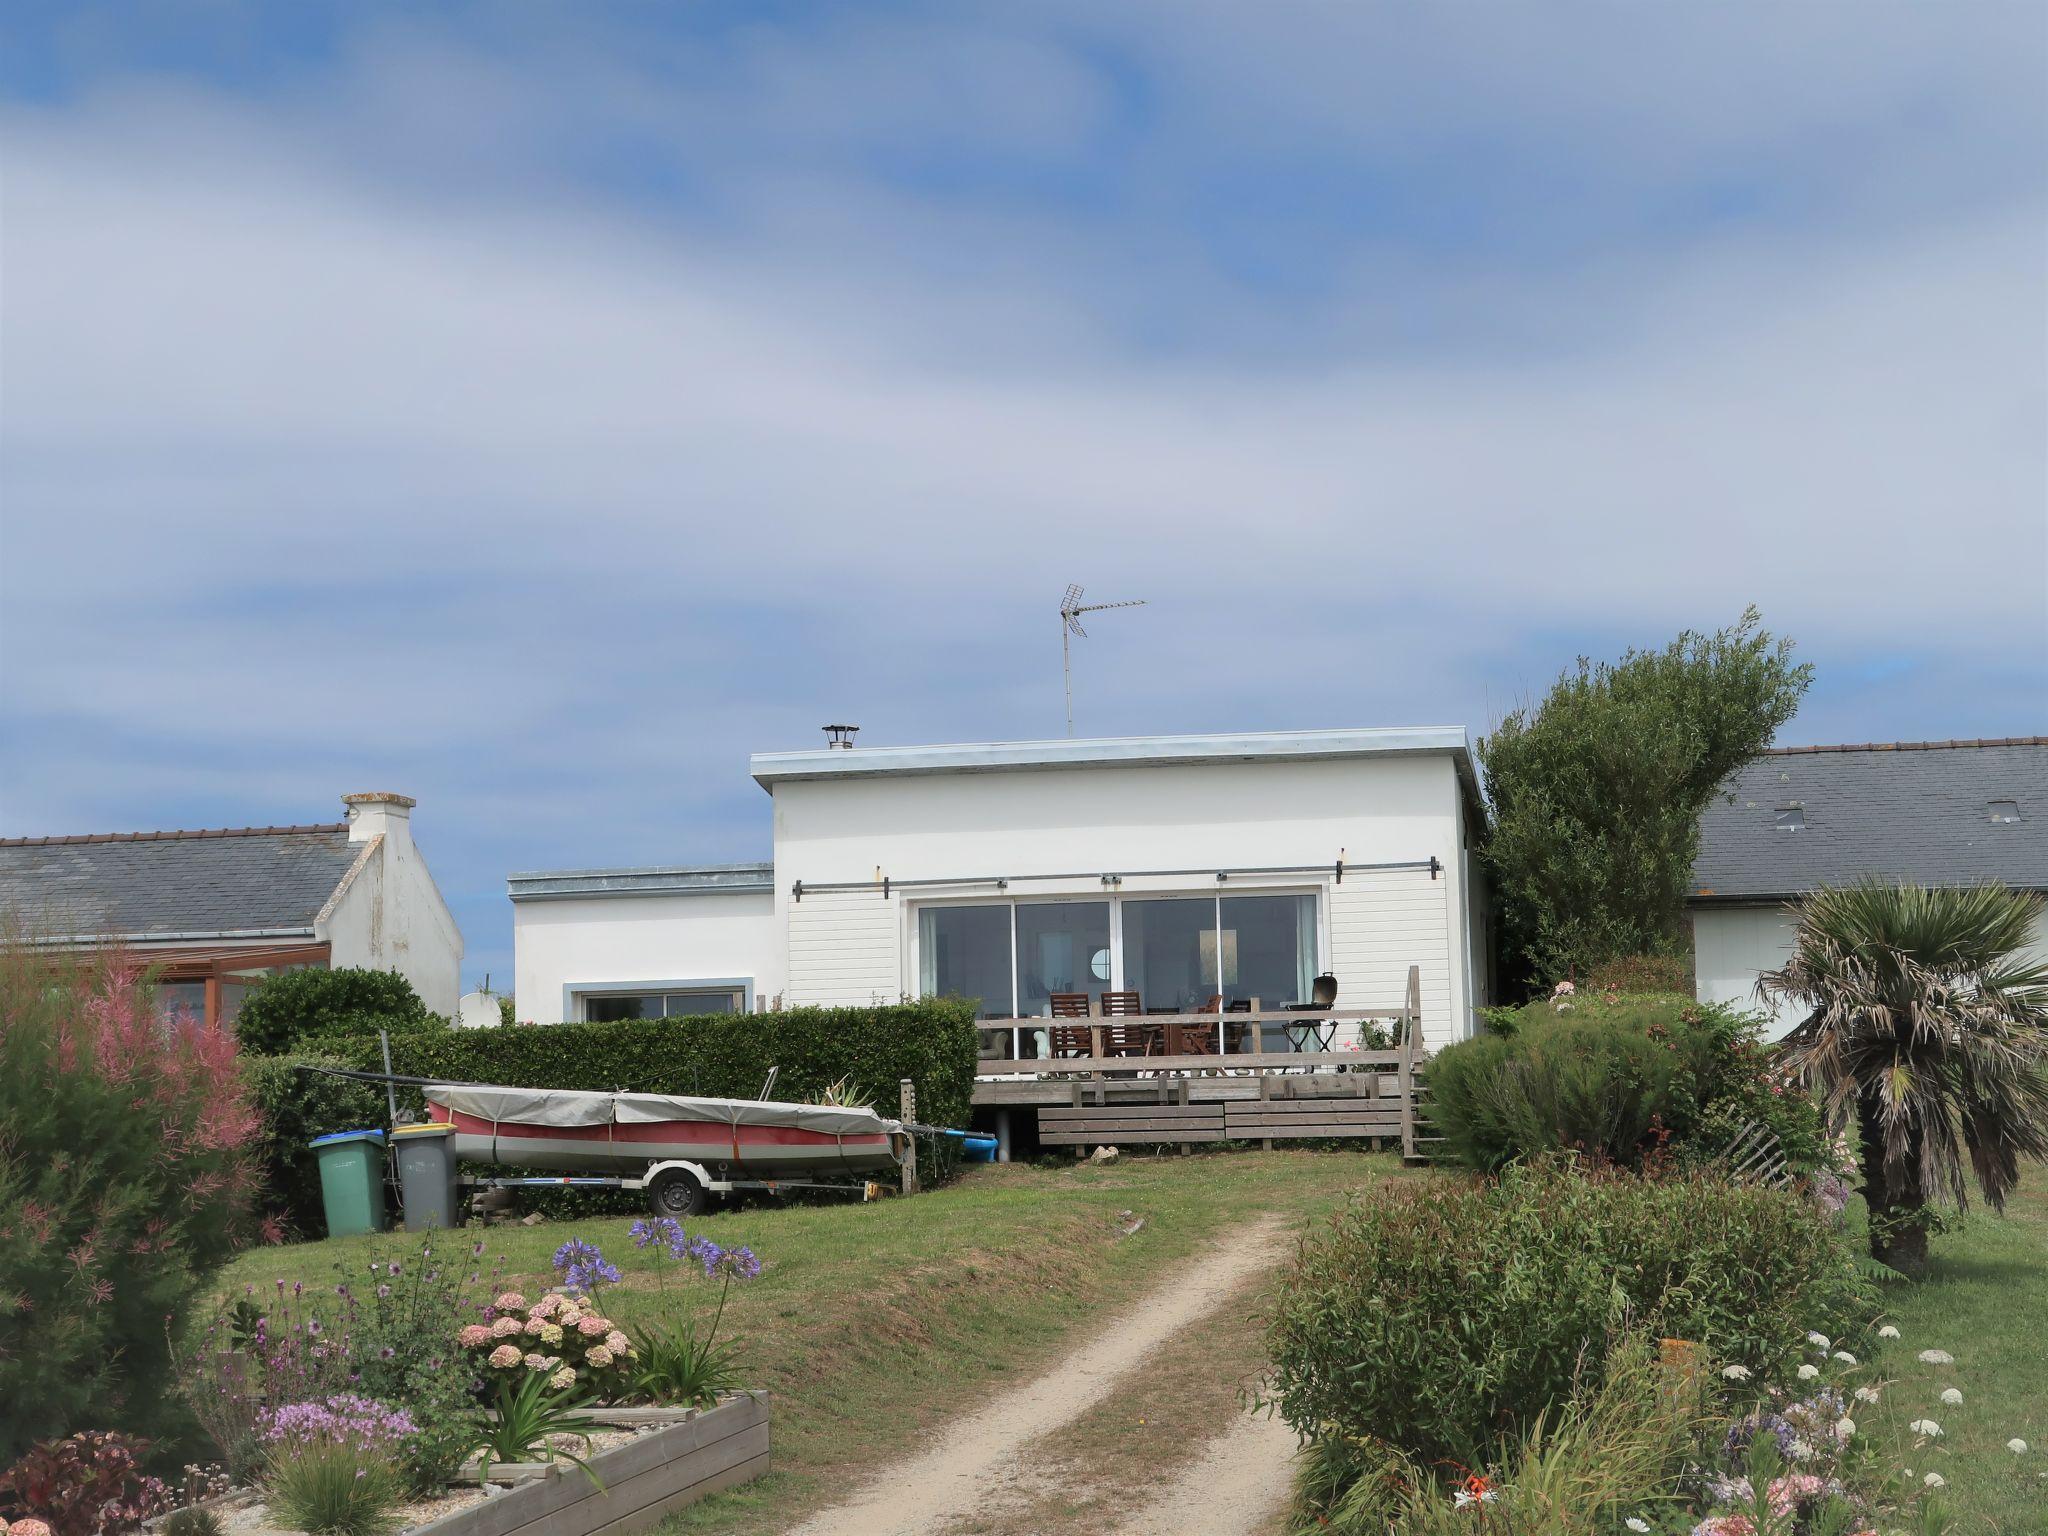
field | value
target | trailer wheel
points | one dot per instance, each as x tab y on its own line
675	1192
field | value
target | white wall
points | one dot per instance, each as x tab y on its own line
389	916
849	947
566	942
1733	945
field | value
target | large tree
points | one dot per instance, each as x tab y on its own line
1928	1020
1596	793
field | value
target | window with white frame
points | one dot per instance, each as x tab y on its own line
615	1007
1179	953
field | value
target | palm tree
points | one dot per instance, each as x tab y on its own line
1929	1020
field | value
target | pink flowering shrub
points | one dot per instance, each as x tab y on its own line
565	1338
125	1181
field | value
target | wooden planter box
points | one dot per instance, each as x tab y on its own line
645	1479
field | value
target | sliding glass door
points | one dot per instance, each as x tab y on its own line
1178	953
1062	946
965	952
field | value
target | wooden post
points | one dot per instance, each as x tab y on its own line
1265	1095
907	1095
1095	1026
1411	1027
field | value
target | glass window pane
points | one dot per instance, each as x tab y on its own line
181	999
1062	946
683	1005
1269	948
965	952
616	1007
1170	952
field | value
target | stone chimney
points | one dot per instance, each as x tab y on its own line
379	812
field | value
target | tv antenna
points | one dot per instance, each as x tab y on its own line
1071	609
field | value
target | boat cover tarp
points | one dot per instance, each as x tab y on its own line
564	1107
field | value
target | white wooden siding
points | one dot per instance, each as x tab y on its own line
843	949
1382	922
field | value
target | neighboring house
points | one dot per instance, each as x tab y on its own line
214	912
1175	866
1944	813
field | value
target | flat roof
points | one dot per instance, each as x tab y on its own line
772	768
650	880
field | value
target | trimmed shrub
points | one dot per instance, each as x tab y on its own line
1618	1078
297	1106
1642	973
300	1010
125	1181
1443	1317
932	1042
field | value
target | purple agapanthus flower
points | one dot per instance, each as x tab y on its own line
583	1266
1745	1430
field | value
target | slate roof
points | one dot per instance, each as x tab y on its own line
235	880
1917	811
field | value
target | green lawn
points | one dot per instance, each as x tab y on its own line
872	1323
1986	1303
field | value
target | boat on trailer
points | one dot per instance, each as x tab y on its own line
676	1147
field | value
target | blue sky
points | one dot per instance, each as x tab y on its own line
536	408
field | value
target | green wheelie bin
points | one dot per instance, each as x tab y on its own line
352	1181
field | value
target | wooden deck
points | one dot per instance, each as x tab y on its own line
1263	1096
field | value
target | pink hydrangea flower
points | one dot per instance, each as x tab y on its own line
599	1356
1788	1492
534	1325
617	1342
1725	1525
511	1301
593	1327
547	1306
536	1362
505	1356
28	1528
563	1379
504	1327
475	1336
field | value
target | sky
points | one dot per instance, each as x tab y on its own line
535	409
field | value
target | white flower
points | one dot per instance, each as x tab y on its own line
1925	1427
1636	1525
1733	1373
1936	1357
1845	1428
1461	1498
1808	1372
1934	1480
1953	1396
1867	1394
1819	1340
2017	1447
1845	1357
1887	1332
1799	1450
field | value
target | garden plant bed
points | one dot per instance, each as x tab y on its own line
656	1461
643	1479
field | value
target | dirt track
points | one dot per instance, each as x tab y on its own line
1234	1487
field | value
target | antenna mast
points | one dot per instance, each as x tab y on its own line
1071	609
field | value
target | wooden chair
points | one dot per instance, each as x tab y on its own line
1069	1005
1126	1039
1198	1039
1071	1040
1116	1005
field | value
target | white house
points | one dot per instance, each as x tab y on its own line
1177	867
213	912
1930	812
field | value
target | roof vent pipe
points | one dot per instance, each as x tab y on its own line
840	736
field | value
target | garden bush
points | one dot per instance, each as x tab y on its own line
296	1106
932	1042
125	1180
1443	1317
301	1010
1619	1078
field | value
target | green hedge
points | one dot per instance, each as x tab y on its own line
1444	1316
932	1042
1617	1077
